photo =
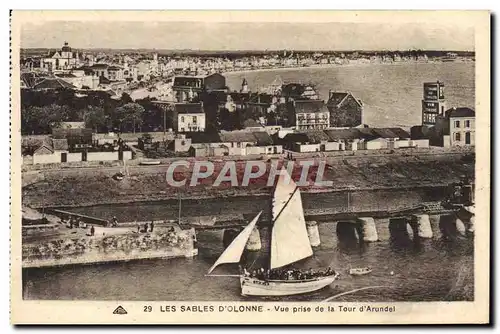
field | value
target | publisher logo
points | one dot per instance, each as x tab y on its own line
119	310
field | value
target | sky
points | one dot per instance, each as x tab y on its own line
247	35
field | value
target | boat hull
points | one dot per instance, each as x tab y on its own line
255	287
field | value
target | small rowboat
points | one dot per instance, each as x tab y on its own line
360	271
150	163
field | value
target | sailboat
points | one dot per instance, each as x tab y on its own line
289	243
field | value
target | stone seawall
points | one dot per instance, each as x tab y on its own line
113	248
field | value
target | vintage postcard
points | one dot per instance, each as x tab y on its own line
267	167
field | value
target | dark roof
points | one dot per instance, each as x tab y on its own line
368	134
263	138
460	112
45	142
336	97
238	136
30	79
310	106
400	133
384	133
297	137
99	66
114	68
189	108
313	137
104	80
316	136
343	134
203	137
53	83
65	75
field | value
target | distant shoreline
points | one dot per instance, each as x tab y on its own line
325	66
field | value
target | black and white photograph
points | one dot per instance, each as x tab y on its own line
262	162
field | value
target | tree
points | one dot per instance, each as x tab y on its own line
129	114
95	118
40	120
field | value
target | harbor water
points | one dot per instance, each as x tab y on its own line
428	270
409	268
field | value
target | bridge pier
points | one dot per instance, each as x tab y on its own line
423	226
398	228
369	229
448	225
313	233
254	243
460	225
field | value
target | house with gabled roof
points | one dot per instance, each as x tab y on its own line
232	143
345	109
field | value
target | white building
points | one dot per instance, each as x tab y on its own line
189	117
59	60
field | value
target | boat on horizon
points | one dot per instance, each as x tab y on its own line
289	243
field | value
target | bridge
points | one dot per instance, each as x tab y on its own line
362	225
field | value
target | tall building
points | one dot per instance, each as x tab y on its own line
310	114
63	59
433	103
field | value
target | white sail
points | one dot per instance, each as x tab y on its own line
233	252
289	239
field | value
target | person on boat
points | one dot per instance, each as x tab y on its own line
114	221
151	226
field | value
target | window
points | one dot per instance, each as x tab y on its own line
182	119
457	124
194	119
467	138
457	136
467	124
183	143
